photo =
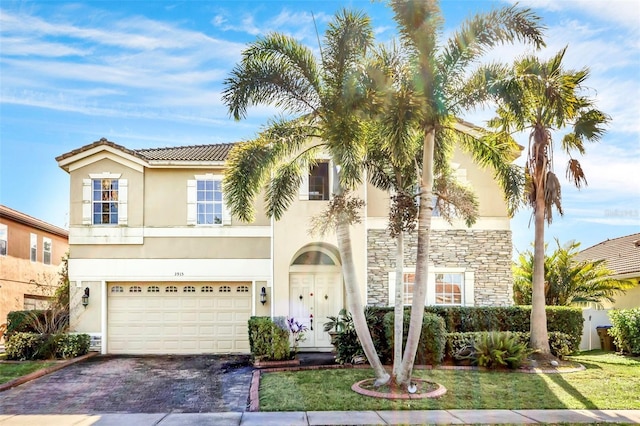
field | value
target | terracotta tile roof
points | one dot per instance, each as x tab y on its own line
101	142
622	254
214	152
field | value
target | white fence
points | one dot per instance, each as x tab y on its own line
593	318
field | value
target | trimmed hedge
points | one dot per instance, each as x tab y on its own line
461	319
431	346
269	340
32	346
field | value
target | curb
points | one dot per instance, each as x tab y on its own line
39	373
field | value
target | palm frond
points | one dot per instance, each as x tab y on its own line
276	70
484	31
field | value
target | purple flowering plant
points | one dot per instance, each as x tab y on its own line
297	331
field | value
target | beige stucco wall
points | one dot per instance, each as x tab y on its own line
291	233
488	192
180	248
135	199
85	319
171	184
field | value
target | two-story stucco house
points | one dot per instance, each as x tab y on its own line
168	270
31	253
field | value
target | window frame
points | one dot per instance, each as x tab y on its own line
214	204
4	239
192	201
467	292
305	193
112	203
33	247
88	199
46	252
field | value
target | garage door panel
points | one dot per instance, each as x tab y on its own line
208	318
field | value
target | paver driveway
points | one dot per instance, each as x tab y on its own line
149	384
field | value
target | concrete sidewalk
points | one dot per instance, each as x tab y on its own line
331	418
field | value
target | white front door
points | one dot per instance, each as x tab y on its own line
314	296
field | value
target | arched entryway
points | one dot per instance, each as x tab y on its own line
316	291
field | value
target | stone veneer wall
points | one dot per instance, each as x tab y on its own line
486	253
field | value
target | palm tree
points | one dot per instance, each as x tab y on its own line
545	98
567	280
393	164
441	77
323	103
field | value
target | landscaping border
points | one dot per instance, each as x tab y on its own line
44	371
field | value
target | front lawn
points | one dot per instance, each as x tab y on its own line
13	370
609	382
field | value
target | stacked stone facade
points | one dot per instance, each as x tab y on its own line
487	253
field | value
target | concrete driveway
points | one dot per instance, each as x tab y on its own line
148	384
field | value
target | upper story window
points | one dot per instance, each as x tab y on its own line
205	201
319	181
209	199
3	239
105	201
317	184
34	247
46	251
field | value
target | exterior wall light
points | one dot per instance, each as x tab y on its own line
263	295
85	297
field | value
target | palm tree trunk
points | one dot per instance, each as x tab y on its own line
354	302
539	336
422	258
398	317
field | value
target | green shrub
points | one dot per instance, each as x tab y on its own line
73	345
23	346
431	345
497	349
348	347
561	344
32	346
268	340
52	321
566	320
626	329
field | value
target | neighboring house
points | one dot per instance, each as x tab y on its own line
622	256
31	253
168	270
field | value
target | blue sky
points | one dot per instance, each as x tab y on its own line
149	74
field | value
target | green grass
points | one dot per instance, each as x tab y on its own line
13	370
609	382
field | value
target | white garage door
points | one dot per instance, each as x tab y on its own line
178	318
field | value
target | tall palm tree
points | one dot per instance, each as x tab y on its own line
323	103
567	280
544	97
393	164
441	75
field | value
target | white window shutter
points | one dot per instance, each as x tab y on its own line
392	288
86	202
303	193
469	292
191	202
123	195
